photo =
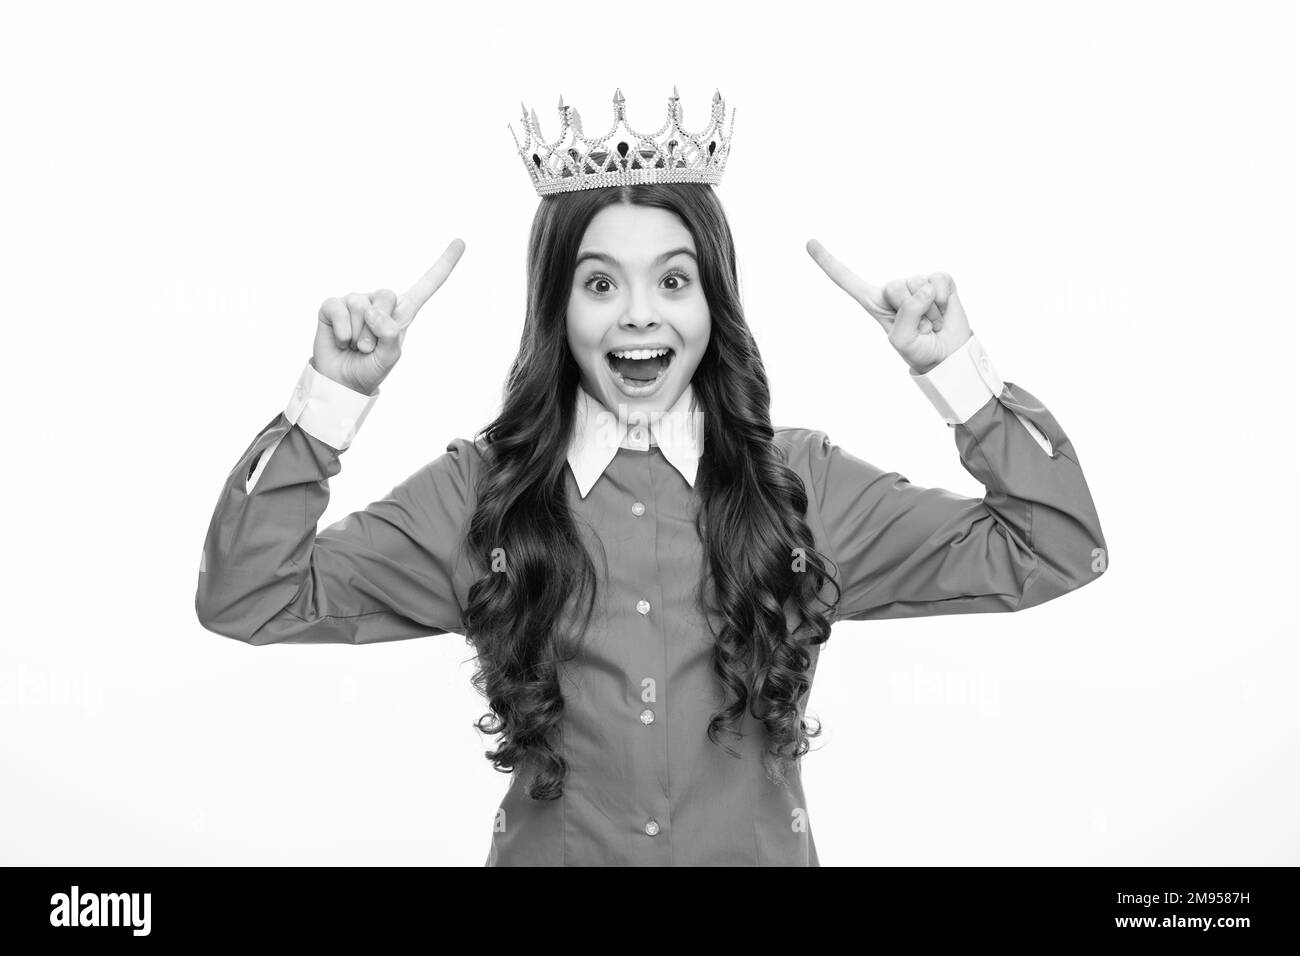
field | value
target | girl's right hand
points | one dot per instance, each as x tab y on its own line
359	337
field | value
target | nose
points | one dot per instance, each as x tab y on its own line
640	312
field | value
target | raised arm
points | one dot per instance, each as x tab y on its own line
391	571
903	550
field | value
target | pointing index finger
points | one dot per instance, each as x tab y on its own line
413	299
867	295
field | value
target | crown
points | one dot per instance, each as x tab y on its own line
668	155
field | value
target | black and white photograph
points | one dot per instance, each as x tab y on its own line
720	435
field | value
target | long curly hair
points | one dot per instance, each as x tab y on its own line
760	560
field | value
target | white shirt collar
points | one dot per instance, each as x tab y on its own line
598	433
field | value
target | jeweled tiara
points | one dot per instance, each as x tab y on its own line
669	155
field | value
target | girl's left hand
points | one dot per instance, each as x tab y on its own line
922	314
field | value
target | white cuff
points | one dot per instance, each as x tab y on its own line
327	410
961	384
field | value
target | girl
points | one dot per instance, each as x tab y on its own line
646	568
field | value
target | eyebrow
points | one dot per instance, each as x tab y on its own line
610	260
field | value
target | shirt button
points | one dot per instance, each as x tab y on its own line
647	716
651	828
643	607
638	509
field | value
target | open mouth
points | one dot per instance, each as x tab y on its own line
639	370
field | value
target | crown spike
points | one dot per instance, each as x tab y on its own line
676	95
561	106
618	97
717	97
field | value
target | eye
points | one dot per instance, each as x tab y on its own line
679	281
598	277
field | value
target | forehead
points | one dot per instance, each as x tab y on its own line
634	234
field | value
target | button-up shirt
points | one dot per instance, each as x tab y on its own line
645	786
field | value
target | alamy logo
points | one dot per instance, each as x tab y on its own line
101	909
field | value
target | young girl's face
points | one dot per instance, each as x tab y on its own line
638	322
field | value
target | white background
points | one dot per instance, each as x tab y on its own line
1112	186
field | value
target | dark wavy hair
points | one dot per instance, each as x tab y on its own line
750	519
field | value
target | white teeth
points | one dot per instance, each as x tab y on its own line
639	353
